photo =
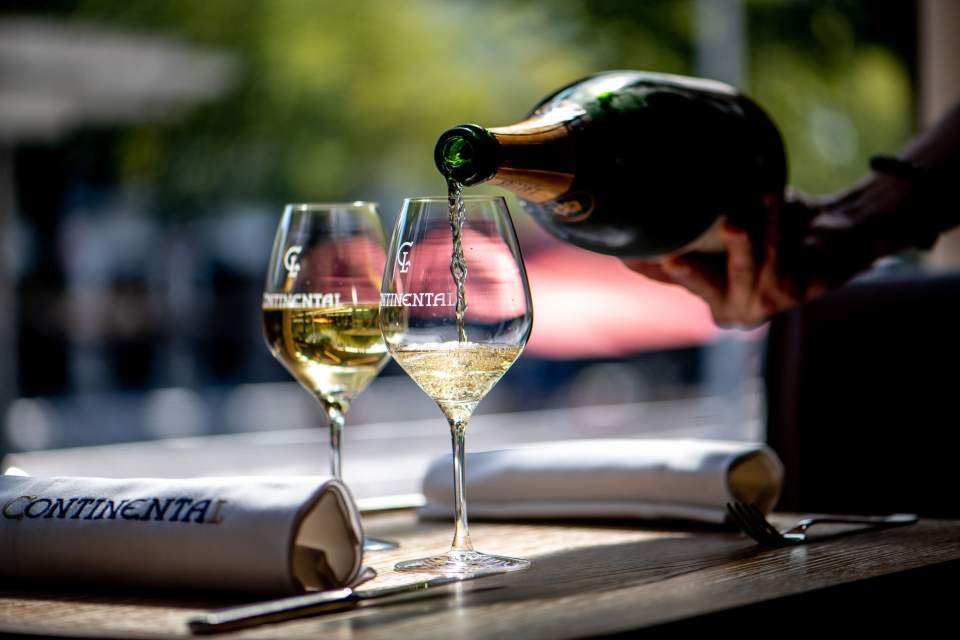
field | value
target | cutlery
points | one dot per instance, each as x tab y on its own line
752	521
321	602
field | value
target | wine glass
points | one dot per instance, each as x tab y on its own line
456	365
321	308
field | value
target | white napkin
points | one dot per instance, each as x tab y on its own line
651	479
264	535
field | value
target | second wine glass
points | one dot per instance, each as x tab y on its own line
321	308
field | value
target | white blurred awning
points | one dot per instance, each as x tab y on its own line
56	76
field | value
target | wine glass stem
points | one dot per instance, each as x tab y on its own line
461	531
336	418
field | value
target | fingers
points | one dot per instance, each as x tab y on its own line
773	293
690	276
743	287
699	282
741	270
749	283
682	273
652	270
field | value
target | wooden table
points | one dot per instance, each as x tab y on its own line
587	580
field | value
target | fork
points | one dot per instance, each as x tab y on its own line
752	521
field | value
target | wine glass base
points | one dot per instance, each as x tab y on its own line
379	544
464	563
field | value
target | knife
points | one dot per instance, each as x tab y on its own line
311	604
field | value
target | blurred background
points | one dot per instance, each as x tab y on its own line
147	149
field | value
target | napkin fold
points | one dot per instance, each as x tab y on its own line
259	535
683	479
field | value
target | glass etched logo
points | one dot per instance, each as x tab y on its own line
403	256
291	260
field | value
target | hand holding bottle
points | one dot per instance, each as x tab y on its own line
749	283
811	246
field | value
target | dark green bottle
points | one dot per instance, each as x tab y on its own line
630	164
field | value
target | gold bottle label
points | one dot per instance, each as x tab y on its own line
533	185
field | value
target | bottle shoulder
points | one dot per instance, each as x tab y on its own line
604	86
622	120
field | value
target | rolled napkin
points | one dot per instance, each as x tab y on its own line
648	479
262	535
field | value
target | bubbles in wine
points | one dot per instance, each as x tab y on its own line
458	264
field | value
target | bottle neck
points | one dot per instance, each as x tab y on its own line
468	154
533	158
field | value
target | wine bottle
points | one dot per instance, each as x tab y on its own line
630	164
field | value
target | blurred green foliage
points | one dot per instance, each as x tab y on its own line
344	99
836	77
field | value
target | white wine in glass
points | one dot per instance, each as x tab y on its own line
321	312
454	341
333	352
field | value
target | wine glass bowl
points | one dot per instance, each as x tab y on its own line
456	366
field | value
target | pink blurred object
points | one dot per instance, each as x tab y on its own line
494	292
588	305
